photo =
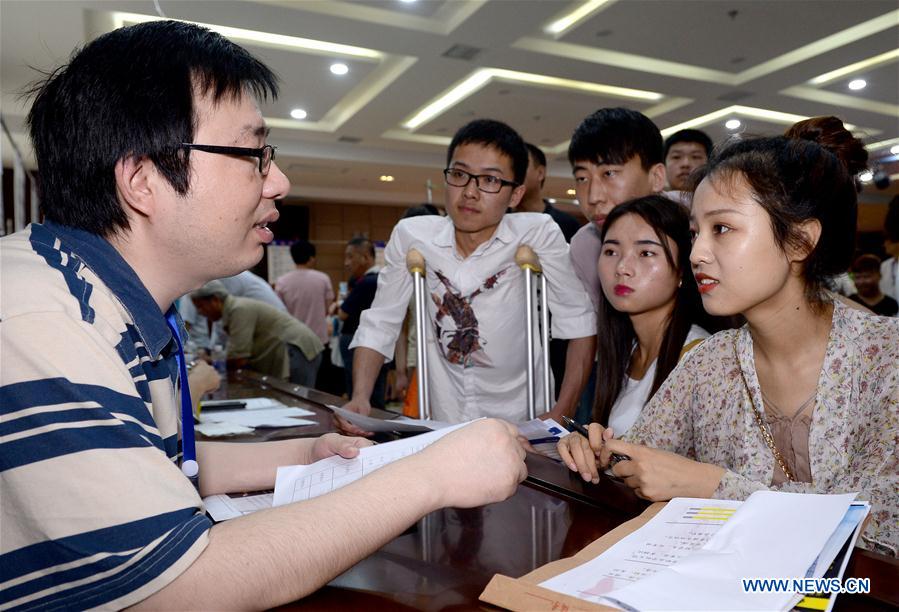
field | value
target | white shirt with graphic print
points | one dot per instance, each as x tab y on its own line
476	331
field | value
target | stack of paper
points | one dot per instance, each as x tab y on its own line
543	436
259	412
695	553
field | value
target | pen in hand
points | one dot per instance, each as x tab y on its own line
572	424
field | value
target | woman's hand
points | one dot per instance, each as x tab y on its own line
580	453
659	475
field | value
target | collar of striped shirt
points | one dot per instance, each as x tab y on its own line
100	256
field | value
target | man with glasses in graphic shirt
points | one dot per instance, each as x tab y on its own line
476	300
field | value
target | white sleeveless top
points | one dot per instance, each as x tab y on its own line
635	393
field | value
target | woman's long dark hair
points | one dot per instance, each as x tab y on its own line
615	342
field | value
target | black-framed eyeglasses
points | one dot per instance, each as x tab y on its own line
265	154
485	182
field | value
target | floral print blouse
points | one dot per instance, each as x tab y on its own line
704	411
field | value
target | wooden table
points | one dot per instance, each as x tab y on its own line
444	561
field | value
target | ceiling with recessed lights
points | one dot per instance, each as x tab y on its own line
375	88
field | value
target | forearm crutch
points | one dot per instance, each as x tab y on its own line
415	262
527	260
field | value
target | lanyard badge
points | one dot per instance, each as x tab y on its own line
188	447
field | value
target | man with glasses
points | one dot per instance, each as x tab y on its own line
156	178
476	319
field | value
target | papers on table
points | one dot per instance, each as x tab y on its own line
543	435
695	552
218	430
681	527
537	429
259	412
250	403
225	507
300	482
370	423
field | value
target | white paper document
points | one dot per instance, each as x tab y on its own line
300	482
681	527
225	507
370	423
536	429
695	552
250	403
259	417
218	430
543	435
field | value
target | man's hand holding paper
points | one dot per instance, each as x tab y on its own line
332	444
488	448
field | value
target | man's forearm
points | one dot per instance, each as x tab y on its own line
229	467
401	349
578	364
367	364
277	556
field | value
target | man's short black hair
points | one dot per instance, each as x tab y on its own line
697	136
360	243
422	210
615	136
536	154
130	93
302	251
494	134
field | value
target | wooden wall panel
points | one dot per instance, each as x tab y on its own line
332	224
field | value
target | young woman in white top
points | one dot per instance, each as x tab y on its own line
649	307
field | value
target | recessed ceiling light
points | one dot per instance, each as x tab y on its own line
339	68
733	124
551	200
866	176
482	76
571	192
569	20
407	1
386	178
267	39
298	113
894	149
857	84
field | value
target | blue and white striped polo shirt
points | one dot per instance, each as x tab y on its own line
94	510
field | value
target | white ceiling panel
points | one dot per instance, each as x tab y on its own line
703	62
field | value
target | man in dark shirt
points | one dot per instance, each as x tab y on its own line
533	202
359	262
866	275
533	196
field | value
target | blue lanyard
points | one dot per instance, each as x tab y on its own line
188	448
